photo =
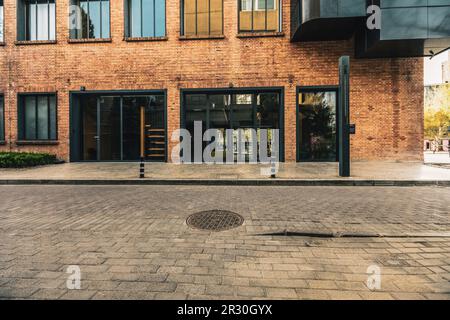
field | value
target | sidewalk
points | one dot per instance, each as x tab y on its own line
363	173
437	158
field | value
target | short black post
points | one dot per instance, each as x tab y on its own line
142	169
344	116
273	168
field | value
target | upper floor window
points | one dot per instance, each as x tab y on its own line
36	20
37	117
1	21
202	17
145	18
89	19
2	119
259	15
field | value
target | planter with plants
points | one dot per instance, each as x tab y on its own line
25	159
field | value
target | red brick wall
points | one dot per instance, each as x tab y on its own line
386	94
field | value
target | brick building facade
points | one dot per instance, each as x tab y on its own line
386	98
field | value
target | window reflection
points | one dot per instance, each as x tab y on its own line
240	112
146	18
91	19
317	138
37	20
1	21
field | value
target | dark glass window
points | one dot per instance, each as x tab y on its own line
222	111
37	117
36	20
317	130
89	19
202	17
1	21
259	15
122	127
145	18
2	119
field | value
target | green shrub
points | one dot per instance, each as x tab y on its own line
25	159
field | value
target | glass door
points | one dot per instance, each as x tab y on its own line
143	126
155	127
316	126
109	128
121	128
131	124
89	136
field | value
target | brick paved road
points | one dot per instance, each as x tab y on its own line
132	242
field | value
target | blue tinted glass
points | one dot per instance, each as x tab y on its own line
30	117
84	20
94	16
160	18
135	18
42	117
148	18
105	19
52	120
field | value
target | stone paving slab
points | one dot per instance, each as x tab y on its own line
132	242
363	173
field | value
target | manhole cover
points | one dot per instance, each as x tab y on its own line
215	220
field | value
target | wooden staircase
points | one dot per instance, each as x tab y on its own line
155	143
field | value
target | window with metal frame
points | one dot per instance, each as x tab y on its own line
236	110
145	18
1	21
259	15
91	19
2	118
37	117
202	17
258	5
36	20
317	127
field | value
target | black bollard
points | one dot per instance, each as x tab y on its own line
142	169
273	168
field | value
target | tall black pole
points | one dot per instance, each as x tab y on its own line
344	116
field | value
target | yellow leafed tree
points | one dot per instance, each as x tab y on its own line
437	111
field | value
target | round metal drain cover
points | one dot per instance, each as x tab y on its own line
215	220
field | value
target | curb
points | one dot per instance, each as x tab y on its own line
241	182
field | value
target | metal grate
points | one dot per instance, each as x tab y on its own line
215	220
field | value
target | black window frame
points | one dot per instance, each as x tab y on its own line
182	31
73	34
21	117
23	26
128	21
76	127
280	17
244	90
2	119
315	89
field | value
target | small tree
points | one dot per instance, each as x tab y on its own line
437	122
437	113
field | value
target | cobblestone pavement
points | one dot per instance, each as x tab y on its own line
132	242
